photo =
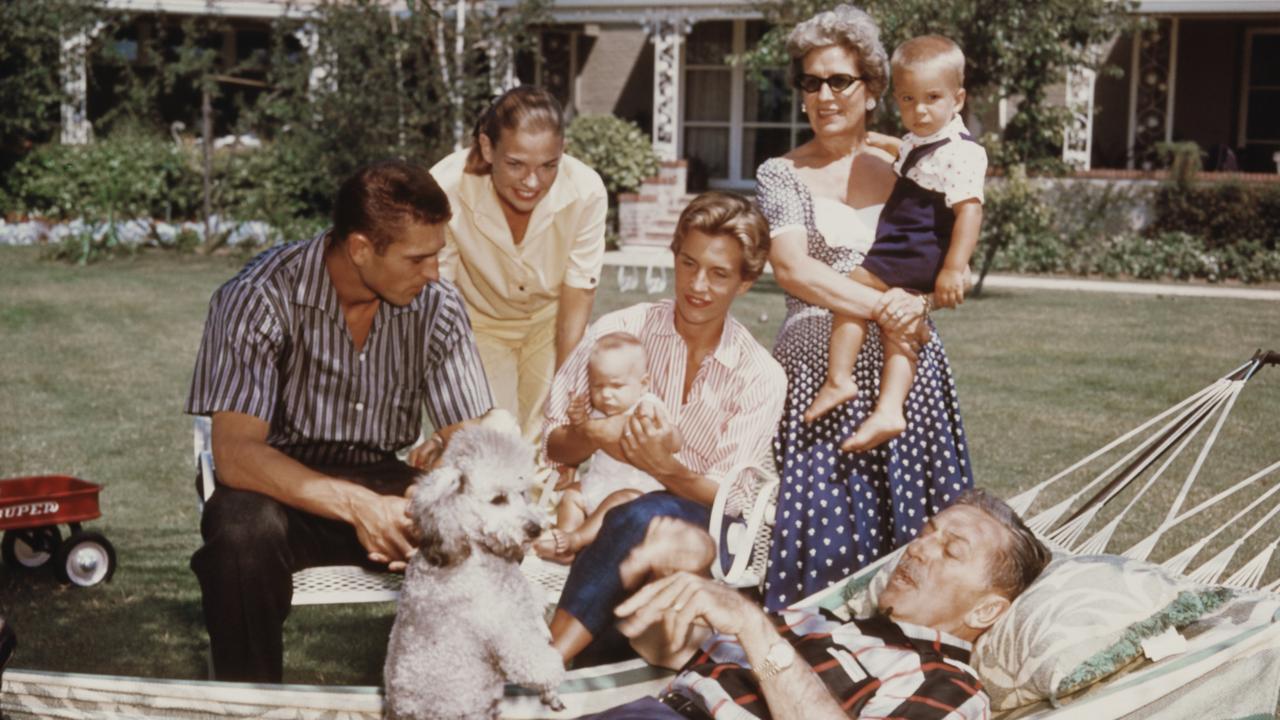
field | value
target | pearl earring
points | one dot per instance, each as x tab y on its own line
871	104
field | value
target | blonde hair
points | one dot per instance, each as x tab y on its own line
526	107
731	215
928	50
615	341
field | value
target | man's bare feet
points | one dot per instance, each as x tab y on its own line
831	395
556	546
881	426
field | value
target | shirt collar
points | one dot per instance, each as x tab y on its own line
727	351
951	129
478	194
314	287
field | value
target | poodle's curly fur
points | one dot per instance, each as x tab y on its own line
468	620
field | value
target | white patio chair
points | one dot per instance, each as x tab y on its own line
324	585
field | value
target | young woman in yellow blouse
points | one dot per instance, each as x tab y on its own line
525	245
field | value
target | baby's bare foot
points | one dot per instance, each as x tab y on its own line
831	395
880	427
556	546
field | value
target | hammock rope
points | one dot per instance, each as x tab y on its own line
1169	435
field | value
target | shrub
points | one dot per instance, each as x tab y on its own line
129	174
1222	213
1017	225
615	148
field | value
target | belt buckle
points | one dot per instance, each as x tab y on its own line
684	705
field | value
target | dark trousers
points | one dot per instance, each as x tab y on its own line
252	547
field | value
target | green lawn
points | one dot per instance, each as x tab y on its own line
95	362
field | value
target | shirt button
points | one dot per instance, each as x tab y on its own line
361	357
359	407
521	288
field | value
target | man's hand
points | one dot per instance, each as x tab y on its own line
426	455
683	603
382	527
949	288
647	440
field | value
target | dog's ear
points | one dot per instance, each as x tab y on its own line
443	542
435	486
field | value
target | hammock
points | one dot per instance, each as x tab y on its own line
1229	662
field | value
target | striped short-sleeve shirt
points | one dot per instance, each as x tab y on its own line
276	346
874	667
734	403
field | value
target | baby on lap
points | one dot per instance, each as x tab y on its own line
618	380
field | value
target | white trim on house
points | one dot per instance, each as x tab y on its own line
228	8
1135	70
1242	137
1212	7
1171	79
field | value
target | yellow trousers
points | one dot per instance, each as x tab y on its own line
519	358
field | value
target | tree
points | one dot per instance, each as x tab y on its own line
31	88
1012	50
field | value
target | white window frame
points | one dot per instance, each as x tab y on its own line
1245	86
739	178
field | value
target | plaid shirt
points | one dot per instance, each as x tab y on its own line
874	667
276	347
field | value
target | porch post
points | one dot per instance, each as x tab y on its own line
319	78
667	35
1077	137
76	129
1151	92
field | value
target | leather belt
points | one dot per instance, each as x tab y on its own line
685	707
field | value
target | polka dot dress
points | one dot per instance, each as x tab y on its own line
839	511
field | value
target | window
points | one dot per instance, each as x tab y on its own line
1260	104
733	121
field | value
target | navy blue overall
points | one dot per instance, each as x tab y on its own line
914	232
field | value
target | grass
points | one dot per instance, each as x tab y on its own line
95	363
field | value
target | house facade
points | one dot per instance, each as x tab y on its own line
1204	71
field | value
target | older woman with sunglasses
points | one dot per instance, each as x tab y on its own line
839	511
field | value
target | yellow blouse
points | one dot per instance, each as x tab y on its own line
563	245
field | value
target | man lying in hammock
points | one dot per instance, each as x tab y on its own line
909	661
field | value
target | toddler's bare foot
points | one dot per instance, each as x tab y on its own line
556	546
880	426
831	395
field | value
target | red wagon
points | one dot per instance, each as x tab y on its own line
32	508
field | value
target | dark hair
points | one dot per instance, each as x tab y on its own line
524	107
1022	558
381	198
730	214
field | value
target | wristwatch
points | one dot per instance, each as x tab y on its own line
780	657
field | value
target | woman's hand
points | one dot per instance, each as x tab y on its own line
901	317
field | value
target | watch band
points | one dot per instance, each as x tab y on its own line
781	656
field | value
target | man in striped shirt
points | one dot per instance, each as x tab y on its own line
720	389
316	362
907	660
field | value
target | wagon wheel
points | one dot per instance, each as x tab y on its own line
85	559
30	547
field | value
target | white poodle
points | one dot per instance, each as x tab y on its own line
468	620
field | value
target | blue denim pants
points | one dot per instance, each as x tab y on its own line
594	587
